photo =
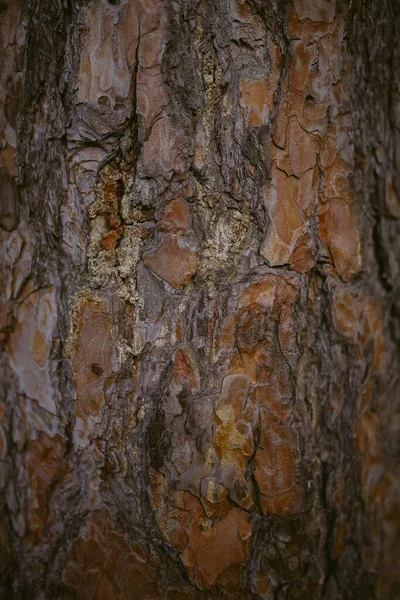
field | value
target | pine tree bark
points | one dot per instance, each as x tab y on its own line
200	334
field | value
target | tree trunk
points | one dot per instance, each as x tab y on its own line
200	299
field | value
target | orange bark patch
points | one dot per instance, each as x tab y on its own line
175	216
213	538
103	75
40	347
91	359
346	312
234	436
30	343
270	293
43	457
367	429
185	370
338	228
256	100
290	202
160	152
371	328
301	70
227	548
337	173
110	189
109	240
172	262
102	563
360	320
249	327
275	468
300	154
214	553
268	307
319	11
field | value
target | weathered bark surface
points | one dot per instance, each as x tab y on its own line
200	226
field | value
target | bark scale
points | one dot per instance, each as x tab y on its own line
200	299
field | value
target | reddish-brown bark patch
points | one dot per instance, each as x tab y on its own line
103	563
173	262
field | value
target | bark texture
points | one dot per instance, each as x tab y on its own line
200	299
